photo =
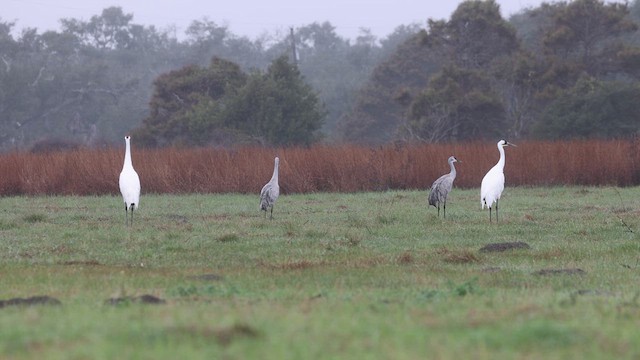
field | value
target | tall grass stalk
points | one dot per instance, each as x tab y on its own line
346	168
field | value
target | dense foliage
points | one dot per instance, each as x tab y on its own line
479	76
92	81
475	75
221	105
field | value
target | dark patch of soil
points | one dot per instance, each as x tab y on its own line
228	238
456	256
143	299
292	265
181	219
223	336
207	277
30	301
226	335
405	258
499	247
81	262
585	292
570	271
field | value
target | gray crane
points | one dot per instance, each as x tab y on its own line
270	191
441	188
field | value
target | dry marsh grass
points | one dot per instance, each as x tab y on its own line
346	168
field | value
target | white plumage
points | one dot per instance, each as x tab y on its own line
129	183
493	182
442	186
270	191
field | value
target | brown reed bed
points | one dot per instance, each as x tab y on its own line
345	168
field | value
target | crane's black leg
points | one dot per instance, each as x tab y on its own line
132	214
271	217
126	215
489	214
444	208
497	211
438	209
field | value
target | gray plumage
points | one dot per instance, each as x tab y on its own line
270	191
441	188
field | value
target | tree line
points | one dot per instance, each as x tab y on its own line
94	80
559	70
562	70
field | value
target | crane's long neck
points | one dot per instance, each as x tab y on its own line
500	163
274	177
127	156
453	169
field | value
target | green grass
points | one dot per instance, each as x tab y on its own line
371	275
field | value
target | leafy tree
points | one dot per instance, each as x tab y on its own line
566	42
400	34
519	80
458	104
462	100
592	108
581	30
93	79
110	30
50	88
278	108
474	36
379	107
333	66
531	25
199	106
180	93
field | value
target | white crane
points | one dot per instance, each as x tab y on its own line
270	191
129	183
442	186
493	182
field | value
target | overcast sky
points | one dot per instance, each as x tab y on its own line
250	18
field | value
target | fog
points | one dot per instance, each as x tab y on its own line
249	18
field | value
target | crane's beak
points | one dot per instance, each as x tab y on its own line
510	144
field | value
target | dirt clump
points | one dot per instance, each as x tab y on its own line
81	262
30	301
569	271
226	335
504	246
142	299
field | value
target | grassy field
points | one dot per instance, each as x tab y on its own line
361	276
